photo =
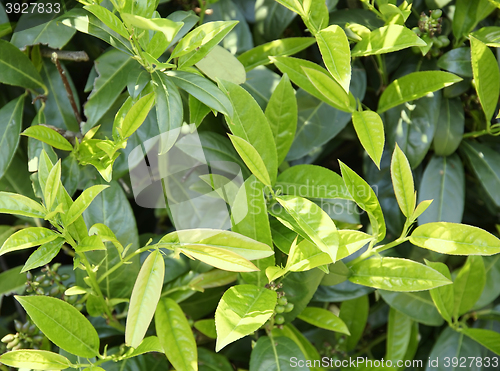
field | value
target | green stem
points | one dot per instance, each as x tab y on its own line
121	262
203	7
382	69
368	348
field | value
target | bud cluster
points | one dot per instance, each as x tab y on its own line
28	336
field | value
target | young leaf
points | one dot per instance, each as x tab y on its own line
82	202
395	274
43	255
219	257
487	338
90	243
402	182
468	285
242	310
351	241
413	86
109	19
251	158
166	26
63	324
332	92
221	64
28	237
148	345
486	76
206	327
336	53
35	359
323	318
455	239
385	40
137	114
12	203
52	185
370	130
49	136
443	296
176	336
144	299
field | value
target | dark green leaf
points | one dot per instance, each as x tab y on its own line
450	127
11	116
457	61
280	354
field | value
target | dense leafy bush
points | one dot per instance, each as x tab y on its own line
209	204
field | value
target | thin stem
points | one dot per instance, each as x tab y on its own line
382	68
121	262
368	348
65	55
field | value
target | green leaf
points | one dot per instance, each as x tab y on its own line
203	90
457	61
281	113
250	124
354	313
468	285
467	15
176	336
109	19
444	183
312	181
315	15
351	241
148	345
413	86
11	116
385	40
12	280
252	159
365	198
26	238
52	185
488	35
144	299
48	136
83	202
90	243
43	255
166	26
16	69
317	225
398	335
197	111
486	77
206	327
450	127
370	130
64	325
35	359
395	274
443	297
336	53
137	114
221	64
305	256
12	203
402	181
242	310
279	354
323	318
106	235
259	55
487	338
455	239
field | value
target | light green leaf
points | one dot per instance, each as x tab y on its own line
332	92
197	111
395	274
259	55
486	76
305	256
166	26
315	15
317	225
365	198
336	53
35	359
63	324
413	86
488	35
206	327
12	203
11	117
487	338
242	310
109	19
455	239
83	201
106	235
468	285
43	255
137	114
402	182
52	185
48	136
144	299
176	336
323	318
443	297
28	237
219	257
252	159
370	130
221	64
148	345
385	40
398	335
90	243
281	113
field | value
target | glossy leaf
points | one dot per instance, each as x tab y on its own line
354	313
52	185
370	130
43	255
455	239
12	203
279	354
281	113
137	114
82	202
48	136
176	337
12	280
395	274
221	64
64	325
450	127
385	40
457	61
488	35
251	158
467	14
109	19
468	285
487	338
443	297
486	76
35	359
398	335
166	26
323	318
26	238
11	115
144	299
336	53
413	86
402	181
242	310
